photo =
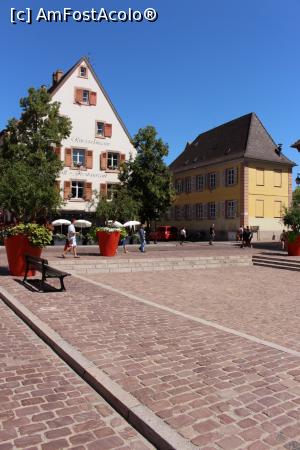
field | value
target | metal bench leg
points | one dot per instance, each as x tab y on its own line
26	272
62	286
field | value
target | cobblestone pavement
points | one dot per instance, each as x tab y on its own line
44	405
259	301
220	390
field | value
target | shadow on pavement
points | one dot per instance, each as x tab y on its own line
37	286
4	271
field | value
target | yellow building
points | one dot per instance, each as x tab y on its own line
232	175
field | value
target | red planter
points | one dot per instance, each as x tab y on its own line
108	242
16	248
294	247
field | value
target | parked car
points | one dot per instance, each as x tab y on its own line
164	233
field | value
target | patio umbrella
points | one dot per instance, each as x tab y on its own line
117	224
82	224
60	222
131	223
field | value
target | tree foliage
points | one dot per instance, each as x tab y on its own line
121	207
147	177
28	164
291	217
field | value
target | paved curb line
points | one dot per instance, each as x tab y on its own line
249	337
158	433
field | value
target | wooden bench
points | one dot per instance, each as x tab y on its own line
41	265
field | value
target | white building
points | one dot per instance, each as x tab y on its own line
99	140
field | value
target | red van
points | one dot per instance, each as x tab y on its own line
164	233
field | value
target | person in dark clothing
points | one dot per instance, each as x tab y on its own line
212	234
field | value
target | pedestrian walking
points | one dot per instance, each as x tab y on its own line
283	240
240	233
247	236
142	235
212	234
182	235
124	241
72	240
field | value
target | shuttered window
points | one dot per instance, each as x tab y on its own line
113	160
77	189
199	183
277	178
277	208
259	208
260	177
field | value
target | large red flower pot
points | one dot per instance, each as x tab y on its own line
16	248
108	242
294	247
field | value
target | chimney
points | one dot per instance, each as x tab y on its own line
56	77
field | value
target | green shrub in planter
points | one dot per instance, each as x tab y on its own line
38	235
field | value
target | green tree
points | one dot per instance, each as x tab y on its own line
122	207
28	164
147	177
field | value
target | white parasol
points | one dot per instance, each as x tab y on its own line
82	223
60	222
131	223
115	224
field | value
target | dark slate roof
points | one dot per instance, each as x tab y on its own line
296	145
244	137
54	88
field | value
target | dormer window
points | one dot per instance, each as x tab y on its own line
83	72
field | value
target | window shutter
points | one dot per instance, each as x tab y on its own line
236	175
103	189
88	191
93	98
217	209
226	209
57	151
78	95
194	212
68	157
122	157
89	159
103	161
236	208
193	183
67	189
222	209
224	178
108	130
217	179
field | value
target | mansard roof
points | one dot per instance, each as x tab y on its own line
244	137
54	88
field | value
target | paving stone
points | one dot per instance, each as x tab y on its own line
27	427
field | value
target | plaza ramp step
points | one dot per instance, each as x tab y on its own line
276	263
142	264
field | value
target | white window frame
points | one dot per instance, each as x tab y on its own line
85	69
178	185
75	185
77	163
187	184
212	180
111	187
199	183
211	210
230	209
230	176
199	211
97	133
111	156
85	101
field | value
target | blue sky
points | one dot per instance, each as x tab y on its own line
204	62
